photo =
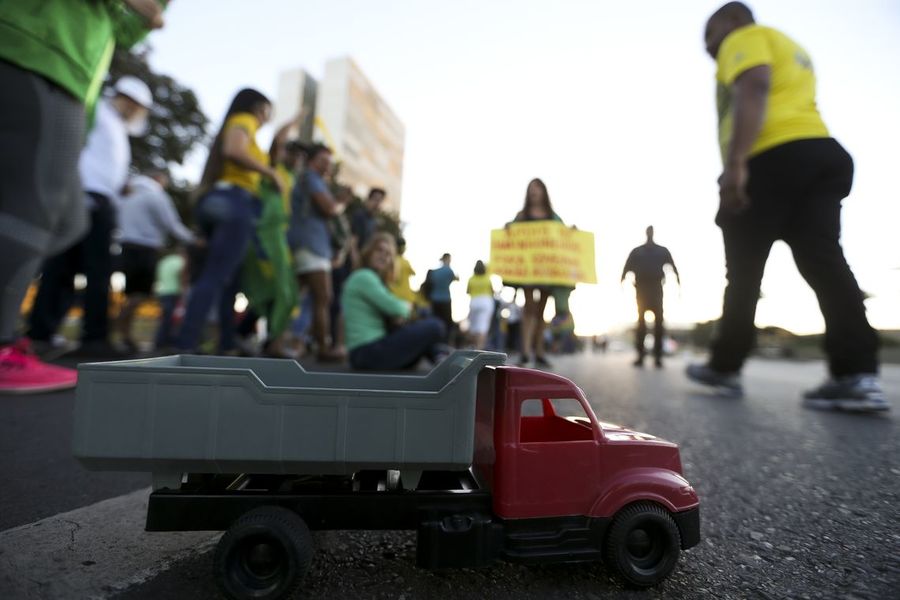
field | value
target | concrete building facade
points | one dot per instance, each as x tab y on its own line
352	118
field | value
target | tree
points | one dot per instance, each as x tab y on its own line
176	124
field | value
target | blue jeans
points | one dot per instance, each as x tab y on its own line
401	349
225	215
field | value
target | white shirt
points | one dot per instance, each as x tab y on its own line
147	215
104	162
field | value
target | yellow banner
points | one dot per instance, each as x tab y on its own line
543	252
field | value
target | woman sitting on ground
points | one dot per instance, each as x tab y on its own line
377	333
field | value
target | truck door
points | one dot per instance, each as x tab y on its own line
556	471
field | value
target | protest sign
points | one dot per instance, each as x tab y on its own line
543	253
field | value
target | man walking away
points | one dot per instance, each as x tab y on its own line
439	292
647	262
784	178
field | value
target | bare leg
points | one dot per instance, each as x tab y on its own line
319	283
540	324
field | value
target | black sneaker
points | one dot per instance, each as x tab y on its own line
638	362
658	363
524	360
541	361
854	393
728	384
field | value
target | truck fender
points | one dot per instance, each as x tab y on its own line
665	487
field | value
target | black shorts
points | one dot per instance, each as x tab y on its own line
139	267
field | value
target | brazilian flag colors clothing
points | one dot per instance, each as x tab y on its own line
68	42
268	278
791	111
234	173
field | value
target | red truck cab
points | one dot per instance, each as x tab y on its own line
543	453
557	472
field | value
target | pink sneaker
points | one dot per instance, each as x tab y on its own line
21	372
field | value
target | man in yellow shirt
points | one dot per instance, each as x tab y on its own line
783	178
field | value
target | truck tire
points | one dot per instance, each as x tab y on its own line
264	555
643	544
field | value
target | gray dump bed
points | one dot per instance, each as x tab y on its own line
204	414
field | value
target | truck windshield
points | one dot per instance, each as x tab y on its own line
554	420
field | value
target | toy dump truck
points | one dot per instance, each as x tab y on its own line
484	461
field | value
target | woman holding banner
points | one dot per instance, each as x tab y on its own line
537	208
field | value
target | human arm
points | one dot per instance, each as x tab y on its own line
629	267
321	196
236	148
750	92
378	295
169	220
671	263
279	141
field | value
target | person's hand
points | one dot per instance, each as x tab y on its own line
150	11
733	197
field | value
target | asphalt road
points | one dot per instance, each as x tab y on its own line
795	503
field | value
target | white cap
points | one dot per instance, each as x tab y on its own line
135	89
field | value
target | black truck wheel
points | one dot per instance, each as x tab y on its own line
643	544
263	555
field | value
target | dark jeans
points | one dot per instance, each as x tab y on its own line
444	312
650	299
89	256
795	191
401	349
226	217
164	336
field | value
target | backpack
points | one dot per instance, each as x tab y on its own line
427	285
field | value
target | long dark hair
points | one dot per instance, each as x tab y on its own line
545	197
245	101
480	269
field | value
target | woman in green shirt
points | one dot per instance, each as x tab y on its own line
377	332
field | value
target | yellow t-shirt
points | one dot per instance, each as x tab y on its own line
234	173
480	285
400	286
791	112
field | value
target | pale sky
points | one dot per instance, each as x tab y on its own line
610	103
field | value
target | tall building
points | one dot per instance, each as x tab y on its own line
353	120
296	92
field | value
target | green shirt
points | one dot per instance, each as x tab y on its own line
69	42
168	275
367	303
